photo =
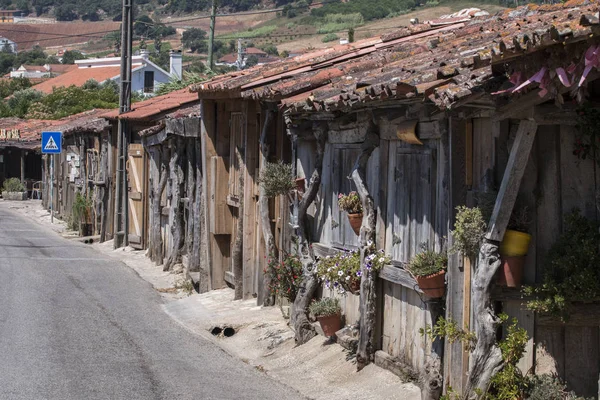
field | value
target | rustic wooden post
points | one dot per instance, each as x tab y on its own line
263	203
175	212
432	381
104	187
158	177
237	256
190	194
366	339
22	166
200	226
486	358
304	331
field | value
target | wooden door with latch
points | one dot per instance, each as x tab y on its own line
137	195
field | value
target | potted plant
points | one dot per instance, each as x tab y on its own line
82	214
513	248
353	206
343	272
276	179
285	276
469	230
429	270
328	313
13	189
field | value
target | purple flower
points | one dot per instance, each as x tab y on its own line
368	265
358	273
335	284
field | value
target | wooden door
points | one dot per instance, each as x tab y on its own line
342	234
410	212
137	175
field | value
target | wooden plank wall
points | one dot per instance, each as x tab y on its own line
555	182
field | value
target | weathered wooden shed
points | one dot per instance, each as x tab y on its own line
423	120
84	167
20	156
244	227
144	117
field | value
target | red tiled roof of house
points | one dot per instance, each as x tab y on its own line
442	64
228	58
156	105
78	77
30	130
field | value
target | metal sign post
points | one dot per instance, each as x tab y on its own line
51	144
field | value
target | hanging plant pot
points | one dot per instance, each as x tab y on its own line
514	243
330	324
355	222
511	271
301	185
433	286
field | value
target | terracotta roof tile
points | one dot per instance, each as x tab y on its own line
78	77
444	63
156	105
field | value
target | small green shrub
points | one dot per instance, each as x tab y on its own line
449	329
350	203
330	37
81	210
13	185
285	276
428	262
571	272
469	230
547	387
277	179
325	307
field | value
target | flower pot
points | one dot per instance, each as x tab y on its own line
352	286
514	243
355	222
300	185
433	286
330	324
511	271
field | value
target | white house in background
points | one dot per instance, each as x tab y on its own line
146	76
41	71
7	42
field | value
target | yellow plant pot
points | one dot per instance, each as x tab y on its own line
515	243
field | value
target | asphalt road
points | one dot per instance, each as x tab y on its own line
77	325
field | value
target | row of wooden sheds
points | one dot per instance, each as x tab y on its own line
428	118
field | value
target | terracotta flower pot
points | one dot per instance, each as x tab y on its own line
355	222
511	272
514	243
330	324
433	286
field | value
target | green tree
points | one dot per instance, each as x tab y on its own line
270	49
195	40
71	55
251	61
65	12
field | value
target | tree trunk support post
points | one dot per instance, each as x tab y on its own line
486	358
237	257
304	331
432	382
263	203
366	340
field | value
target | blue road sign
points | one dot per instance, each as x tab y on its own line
51	142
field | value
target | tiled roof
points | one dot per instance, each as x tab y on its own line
228	58
87	121
443	63
78	77
154	106
254	50
30	130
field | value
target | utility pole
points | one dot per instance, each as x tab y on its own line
121	222
211	36
240	54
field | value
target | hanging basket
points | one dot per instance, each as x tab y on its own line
355	222
433	286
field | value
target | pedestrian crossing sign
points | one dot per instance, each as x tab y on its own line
51	142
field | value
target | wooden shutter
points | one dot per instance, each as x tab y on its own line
343	162
136	172
410	212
